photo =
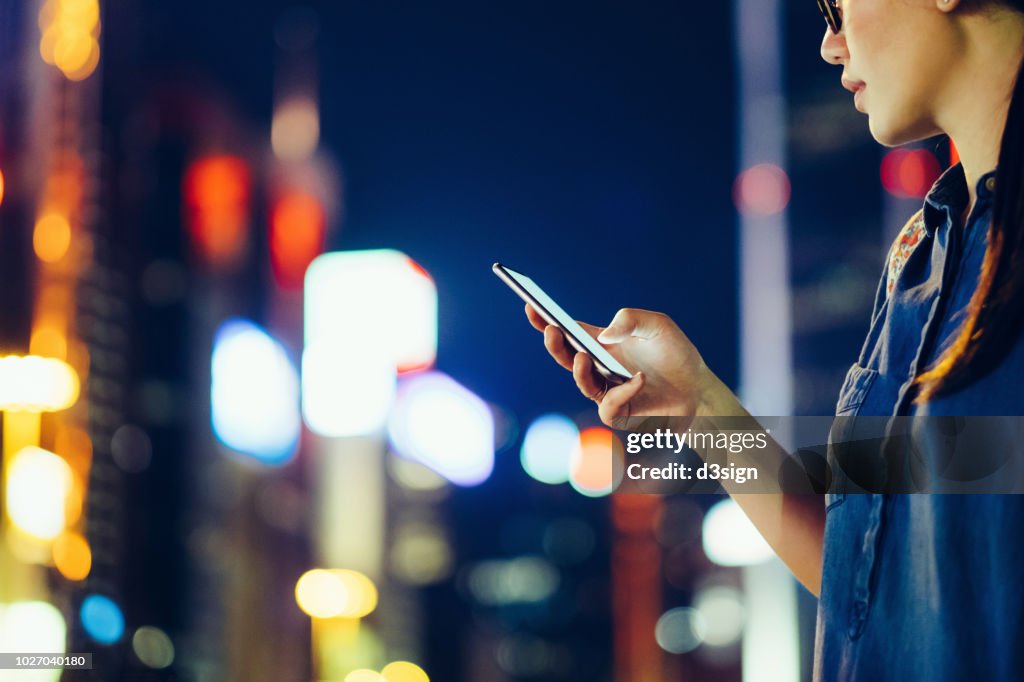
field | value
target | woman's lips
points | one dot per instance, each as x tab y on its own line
853	86
856	87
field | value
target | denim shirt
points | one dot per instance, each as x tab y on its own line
925	587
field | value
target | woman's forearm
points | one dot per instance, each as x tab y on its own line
793	524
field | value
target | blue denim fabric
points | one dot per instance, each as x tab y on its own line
925	587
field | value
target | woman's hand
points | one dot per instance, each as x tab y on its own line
670	377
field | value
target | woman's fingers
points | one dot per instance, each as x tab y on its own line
583	373
539	323
535	319
615	403
591	329
557	347
612	402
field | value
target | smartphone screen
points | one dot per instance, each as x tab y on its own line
539	299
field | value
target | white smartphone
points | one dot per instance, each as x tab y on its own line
607	366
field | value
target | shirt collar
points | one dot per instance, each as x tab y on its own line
948	196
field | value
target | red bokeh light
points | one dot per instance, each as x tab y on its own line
763	189
909	173
216	192
297	227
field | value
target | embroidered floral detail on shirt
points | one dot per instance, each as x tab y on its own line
901	249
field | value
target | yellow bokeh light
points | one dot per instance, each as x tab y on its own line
82	14
320	593
364	675
38	483
48	342
361	594
52	237
75	501
48	43
403	671
337	593
69	36
72	556
35	384
72	49
86	68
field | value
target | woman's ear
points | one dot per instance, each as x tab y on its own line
947	5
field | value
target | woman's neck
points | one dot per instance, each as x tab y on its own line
980	92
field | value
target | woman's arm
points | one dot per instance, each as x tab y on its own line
793	524
672	380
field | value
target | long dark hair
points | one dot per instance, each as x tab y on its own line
996	311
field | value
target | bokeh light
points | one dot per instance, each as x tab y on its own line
909	173
216	190
51	237
368	315
297	229
720	607
102	619
421	554
347	389
593	471
69	36
131	448
72	556
763	189
153	647
380	293
35	384
38	484
523	580
334	593
295	130
364	675
730	539
548	448
404	671
680	630
440	423
33	626
48	341
254	393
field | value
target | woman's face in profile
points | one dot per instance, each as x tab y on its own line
897	56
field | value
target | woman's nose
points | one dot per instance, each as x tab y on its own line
833	47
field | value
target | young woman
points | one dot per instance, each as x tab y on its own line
929	586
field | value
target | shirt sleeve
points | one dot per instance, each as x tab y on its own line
899	251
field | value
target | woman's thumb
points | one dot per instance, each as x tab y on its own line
626	323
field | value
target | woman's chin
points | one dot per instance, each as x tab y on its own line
890	133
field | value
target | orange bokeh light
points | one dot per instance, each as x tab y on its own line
297	227
72	556
593	469
51	238
217	204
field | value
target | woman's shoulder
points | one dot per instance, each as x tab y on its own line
902	246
